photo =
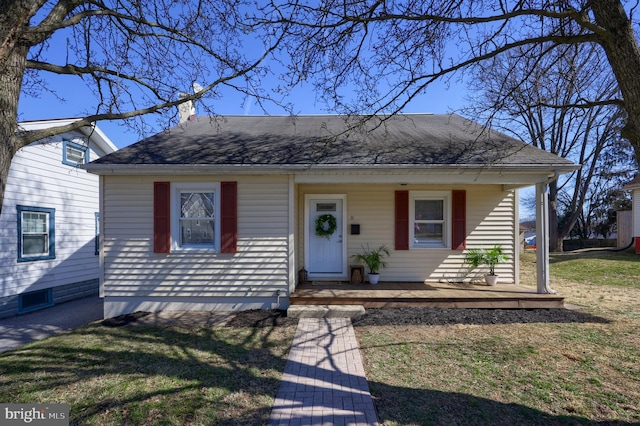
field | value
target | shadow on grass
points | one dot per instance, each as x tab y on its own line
146	374
173	375
436	316
431	407
595	254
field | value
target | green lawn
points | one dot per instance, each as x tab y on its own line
597	267
152	375
584	370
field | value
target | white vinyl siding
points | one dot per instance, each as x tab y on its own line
258	270
135	276
635	198
38	178
490	220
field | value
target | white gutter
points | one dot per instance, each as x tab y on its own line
96	135
124	169
92	133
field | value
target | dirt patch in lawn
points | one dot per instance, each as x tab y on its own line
430	316
243	319
372	317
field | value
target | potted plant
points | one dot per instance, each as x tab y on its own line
490	257
374	259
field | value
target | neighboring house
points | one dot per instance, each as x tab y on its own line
634	187
49	220
220	213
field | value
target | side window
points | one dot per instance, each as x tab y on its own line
74	154
36	233
196	224
429	217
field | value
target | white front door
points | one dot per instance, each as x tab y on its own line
326	255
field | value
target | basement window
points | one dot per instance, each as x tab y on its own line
34	300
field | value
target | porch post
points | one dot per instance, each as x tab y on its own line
292	243
542	239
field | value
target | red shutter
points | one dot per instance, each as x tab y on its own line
161	217
402	220
229	217
459	222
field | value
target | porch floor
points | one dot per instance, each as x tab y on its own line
426	295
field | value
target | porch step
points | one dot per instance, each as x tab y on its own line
426	302
425	295
325	311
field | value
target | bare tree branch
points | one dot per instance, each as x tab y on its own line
32	136
541	95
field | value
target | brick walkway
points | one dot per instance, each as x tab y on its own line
323	381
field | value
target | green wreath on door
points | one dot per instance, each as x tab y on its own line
326	225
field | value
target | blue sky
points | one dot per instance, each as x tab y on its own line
78	99
439	99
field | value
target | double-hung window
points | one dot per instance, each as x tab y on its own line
74	154
196	211
36	233
430	219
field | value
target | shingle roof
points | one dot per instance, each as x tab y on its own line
323	140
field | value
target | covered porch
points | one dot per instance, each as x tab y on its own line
426	295
446	294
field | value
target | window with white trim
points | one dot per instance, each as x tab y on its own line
36	233
195	224
74	154
430	219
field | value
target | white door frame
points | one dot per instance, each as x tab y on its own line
307	198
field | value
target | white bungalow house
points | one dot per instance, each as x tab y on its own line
49	220
634	187
221	213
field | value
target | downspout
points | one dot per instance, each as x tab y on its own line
279	294
101	228
542	236
292	233
516	239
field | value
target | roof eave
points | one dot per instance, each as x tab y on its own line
100	138
252	169
94	133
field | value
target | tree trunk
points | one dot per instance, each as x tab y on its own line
555	239
13	56
621	47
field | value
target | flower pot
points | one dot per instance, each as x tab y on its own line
374	278
491	279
